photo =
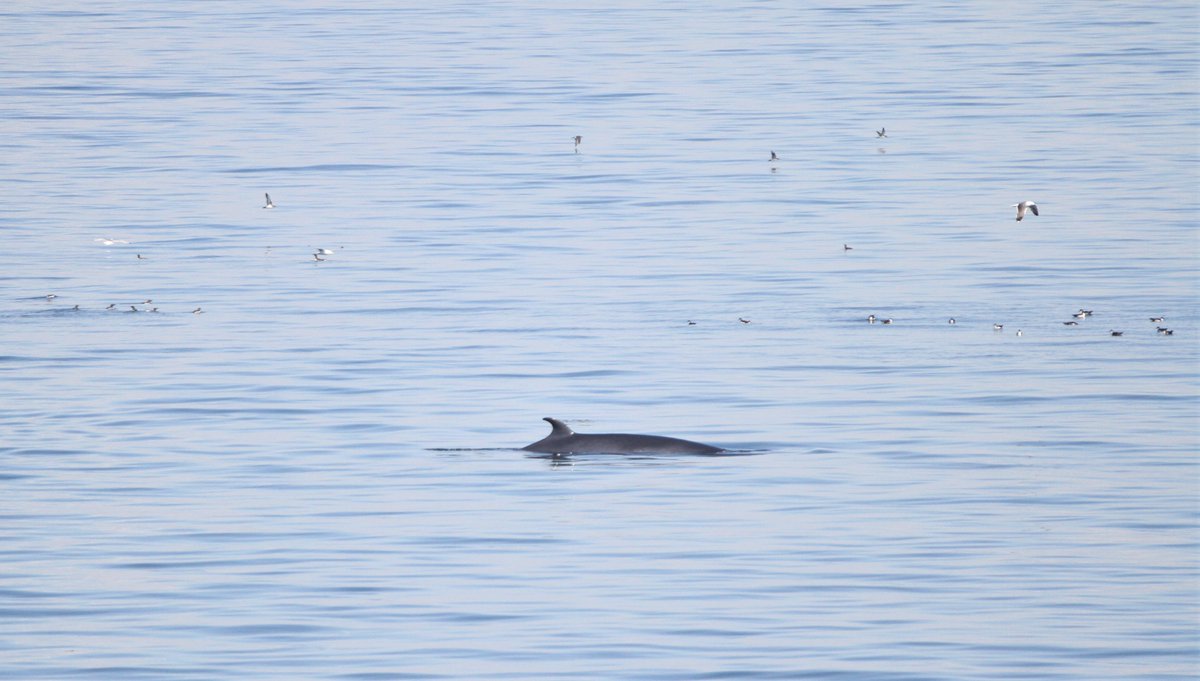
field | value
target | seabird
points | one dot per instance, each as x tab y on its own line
1156	319
51	296
269	203
997	327
774	157
75	308
1116	333
743	320
1167	332
1019	332
871	319
318	258
882	132
1024	206
133	308
197	311
888	320
1085	313
847	247
324	251
1080	315
952	321
140	257
111	306
1071	323
691	323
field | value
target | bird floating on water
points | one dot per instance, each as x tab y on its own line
270	204
871	319
952	321
1156	319
997	327
1019	334
743	320
888	320
1116	333
578	139
1024	206
1071	323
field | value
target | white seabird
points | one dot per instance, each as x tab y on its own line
1024	206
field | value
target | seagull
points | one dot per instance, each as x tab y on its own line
743	320
1116	333
272	205
1024	206
1156	319
774	157
882	132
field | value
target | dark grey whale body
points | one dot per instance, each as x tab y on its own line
563	440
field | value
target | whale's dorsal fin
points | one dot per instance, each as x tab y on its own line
558	428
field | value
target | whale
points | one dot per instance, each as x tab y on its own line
563	440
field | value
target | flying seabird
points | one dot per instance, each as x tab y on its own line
882	132
1024	206
774	157
743	320
272	205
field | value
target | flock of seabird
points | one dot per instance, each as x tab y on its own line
320	255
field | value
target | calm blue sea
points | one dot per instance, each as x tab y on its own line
319	476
